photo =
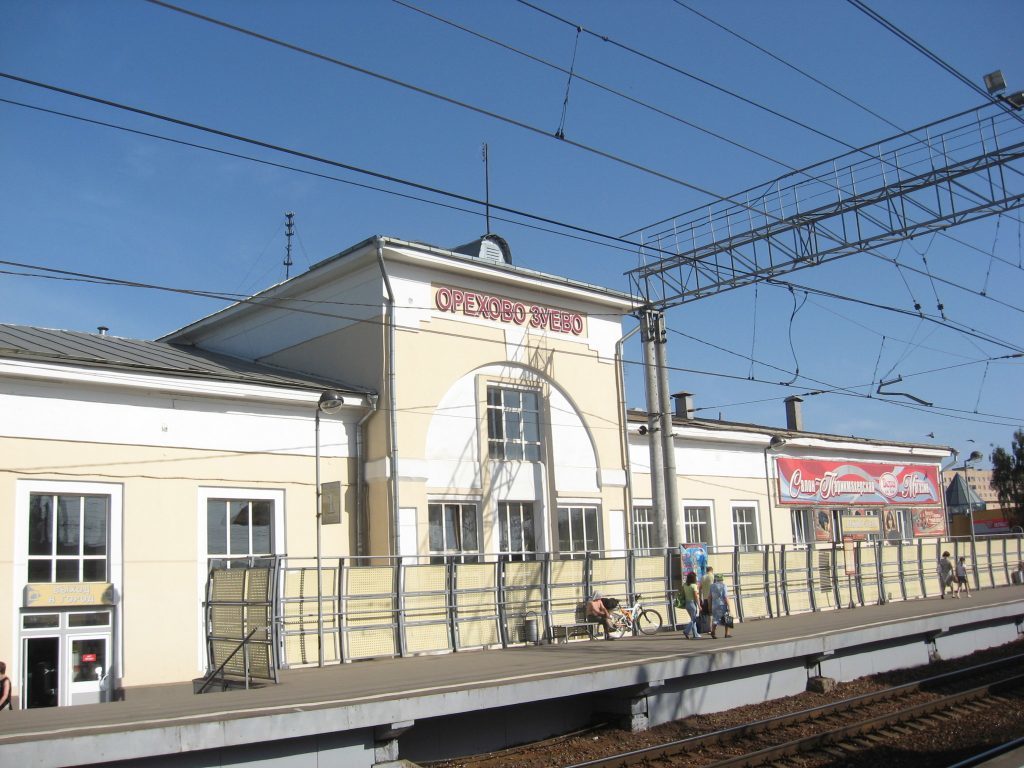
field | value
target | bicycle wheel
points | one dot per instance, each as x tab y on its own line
620	624
649	621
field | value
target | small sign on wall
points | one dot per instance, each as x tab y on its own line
330	503
69	594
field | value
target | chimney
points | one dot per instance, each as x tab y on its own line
102	330
684	405
794	415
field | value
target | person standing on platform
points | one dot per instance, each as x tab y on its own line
946	574
5	688
689	598
961	578
705	599
719	604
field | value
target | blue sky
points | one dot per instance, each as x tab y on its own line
91	199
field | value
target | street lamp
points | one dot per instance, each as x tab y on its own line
777	442
975	456
331	401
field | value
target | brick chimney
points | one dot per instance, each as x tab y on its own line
684	405
794	414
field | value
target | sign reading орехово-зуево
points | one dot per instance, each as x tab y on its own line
809	482
502	310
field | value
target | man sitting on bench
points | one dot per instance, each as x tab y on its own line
599	609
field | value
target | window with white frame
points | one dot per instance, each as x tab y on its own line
513	424
744	527
697	524
453	530
239	528
578	530
68	538
515	530
801	531
643	529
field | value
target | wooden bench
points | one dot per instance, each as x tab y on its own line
580	626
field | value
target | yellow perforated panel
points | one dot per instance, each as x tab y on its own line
425	599
369	612
476	606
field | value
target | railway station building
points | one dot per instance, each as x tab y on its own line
407	416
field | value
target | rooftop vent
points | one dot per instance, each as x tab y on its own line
487	248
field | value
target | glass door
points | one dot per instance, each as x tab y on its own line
41	672
87	665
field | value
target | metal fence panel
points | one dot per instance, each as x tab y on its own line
889	566
522	595
796	574
425	607
751	585
476	605
370	613
868	572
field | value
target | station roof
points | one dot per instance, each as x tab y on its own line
637	416
100	350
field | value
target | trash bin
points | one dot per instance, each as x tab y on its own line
530	628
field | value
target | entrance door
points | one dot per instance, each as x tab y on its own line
87	665
42	672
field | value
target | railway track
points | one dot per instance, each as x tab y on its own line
841	731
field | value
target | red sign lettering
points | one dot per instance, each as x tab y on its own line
502	310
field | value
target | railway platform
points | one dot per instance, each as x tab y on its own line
372	713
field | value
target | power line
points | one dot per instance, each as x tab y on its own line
289	304
295	153
446	99
950	325
335	164
782	61
877	17
684	73
596	84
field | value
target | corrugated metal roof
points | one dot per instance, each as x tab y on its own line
93	350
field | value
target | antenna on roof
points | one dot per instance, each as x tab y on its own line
288	232
487	188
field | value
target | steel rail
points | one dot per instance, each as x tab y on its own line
680	746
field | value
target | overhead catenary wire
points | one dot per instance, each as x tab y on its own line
884	22
599	85
448	100
788	64
330	162
626	246
684	73
296	306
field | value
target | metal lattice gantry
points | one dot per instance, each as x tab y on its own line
950	172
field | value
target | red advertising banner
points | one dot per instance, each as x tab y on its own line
816	482
928	522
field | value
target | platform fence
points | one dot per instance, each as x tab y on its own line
386	607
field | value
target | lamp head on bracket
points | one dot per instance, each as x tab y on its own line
331	401
776	442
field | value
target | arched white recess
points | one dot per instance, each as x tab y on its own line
452	443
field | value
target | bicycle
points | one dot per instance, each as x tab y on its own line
635	618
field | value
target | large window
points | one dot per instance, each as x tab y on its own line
578	531
68	538
515	530
744	527
697	525
513	424
453	530
643	530
239	527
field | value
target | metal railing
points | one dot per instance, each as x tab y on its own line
380	607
